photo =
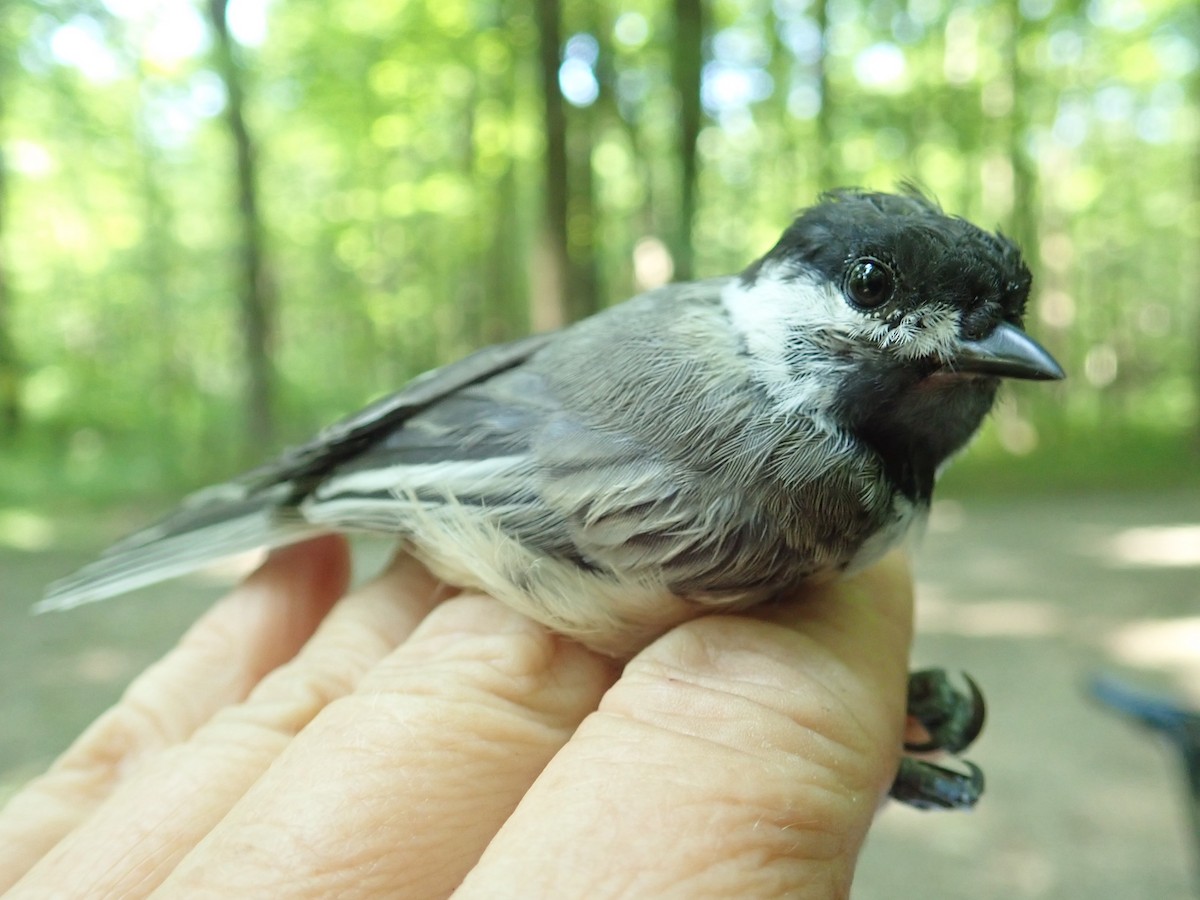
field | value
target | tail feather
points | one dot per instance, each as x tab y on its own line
195	536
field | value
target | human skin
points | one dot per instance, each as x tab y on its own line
401	740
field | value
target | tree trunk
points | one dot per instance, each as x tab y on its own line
551	258
827	176
505	306
687	65
583	275
583	278
10	364
257	288
1023	226
1194	89
171	388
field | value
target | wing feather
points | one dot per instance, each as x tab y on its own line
261	508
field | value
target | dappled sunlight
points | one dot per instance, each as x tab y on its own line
24	529
1166	546
1017	618
1169	645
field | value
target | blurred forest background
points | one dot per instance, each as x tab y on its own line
225	223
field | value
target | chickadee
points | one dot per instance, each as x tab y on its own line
700	447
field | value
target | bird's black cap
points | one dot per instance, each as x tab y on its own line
936	258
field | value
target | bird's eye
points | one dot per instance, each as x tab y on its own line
869	282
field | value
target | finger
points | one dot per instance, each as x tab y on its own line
259	625
138	835
848	616
736	757
419	767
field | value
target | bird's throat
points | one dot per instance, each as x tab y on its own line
915	426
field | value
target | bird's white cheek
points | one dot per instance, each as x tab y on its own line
929	333
775	319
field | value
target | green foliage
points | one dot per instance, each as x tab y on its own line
400	152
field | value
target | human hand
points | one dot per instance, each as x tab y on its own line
398	743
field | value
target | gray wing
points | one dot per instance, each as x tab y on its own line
580	453
470	451
260	508
348	436
563	453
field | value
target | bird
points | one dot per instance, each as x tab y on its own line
701	447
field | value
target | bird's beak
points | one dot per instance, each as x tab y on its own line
1007	352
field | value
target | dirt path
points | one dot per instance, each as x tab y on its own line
1032	598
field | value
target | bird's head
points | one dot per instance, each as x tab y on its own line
894	318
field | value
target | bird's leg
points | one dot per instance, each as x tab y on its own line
953	719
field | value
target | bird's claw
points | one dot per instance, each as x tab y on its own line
925	785
953	718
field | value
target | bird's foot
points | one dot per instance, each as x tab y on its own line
952	718
924	785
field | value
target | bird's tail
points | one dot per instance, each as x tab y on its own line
211	525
